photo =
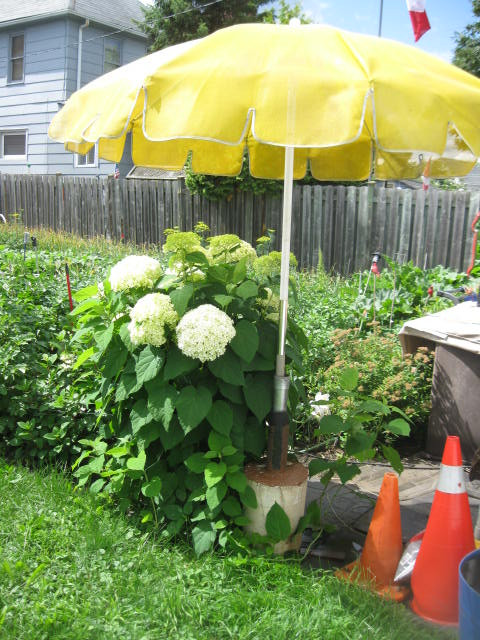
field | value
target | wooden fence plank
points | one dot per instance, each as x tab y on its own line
362	259
442	231
417	250
405	227
339	221
329	229
458	231
379	220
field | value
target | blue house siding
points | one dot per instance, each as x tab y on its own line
50	77
29	105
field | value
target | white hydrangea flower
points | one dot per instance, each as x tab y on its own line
221	249
134	271
205	332
149	318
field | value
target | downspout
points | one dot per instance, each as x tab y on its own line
80	46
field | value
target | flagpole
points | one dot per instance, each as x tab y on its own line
380	19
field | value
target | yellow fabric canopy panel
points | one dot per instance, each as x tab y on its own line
347	103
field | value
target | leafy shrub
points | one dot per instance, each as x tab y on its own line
220	188
40	414
180	375
361	428
383	374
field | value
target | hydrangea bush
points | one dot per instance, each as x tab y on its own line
180	359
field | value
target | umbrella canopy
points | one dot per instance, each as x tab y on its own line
344	105
333	95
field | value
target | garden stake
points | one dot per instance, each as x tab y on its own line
25	240
34	245
67	273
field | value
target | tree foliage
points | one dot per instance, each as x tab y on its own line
170	22
467	50
284	13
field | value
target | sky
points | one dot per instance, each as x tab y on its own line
446	17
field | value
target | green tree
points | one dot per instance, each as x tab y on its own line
169	22
467	49
285	13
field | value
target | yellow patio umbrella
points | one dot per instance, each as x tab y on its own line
346	106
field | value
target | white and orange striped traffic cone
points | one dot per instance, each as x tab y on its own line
448	538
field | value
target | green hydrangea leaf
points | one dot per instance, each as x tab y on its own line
193	405
232	507
220	417
267	346
114	358
138	463
177	364
162	398
152	488
196	462
228	368
277	523
217	442
181	297
230	391
245	342
140	415
149	363
255	437
203	536
214	472
248	497
237	481
171	438
258	392
216	494
247	289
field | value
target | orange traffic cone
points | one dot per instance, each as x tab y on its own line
383	546
447	539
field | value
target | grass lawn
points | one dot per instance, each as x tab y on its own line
71	568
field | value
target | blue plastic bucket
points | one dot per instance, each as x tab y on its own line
469	596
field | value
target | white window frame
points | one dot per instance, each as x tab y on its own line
118	44
86	165
7	132
11	58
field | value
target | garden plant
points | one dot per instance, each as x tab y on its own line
153	420
155	389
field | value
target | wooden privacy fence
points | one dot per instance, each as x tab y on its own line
345	224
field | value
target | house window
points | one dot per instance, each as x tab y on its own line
111	55
13	144
88	160
16	60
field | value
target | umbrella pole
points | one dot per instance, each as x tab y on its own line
278	420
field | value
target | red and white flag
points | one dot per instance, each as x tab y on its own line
418	17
